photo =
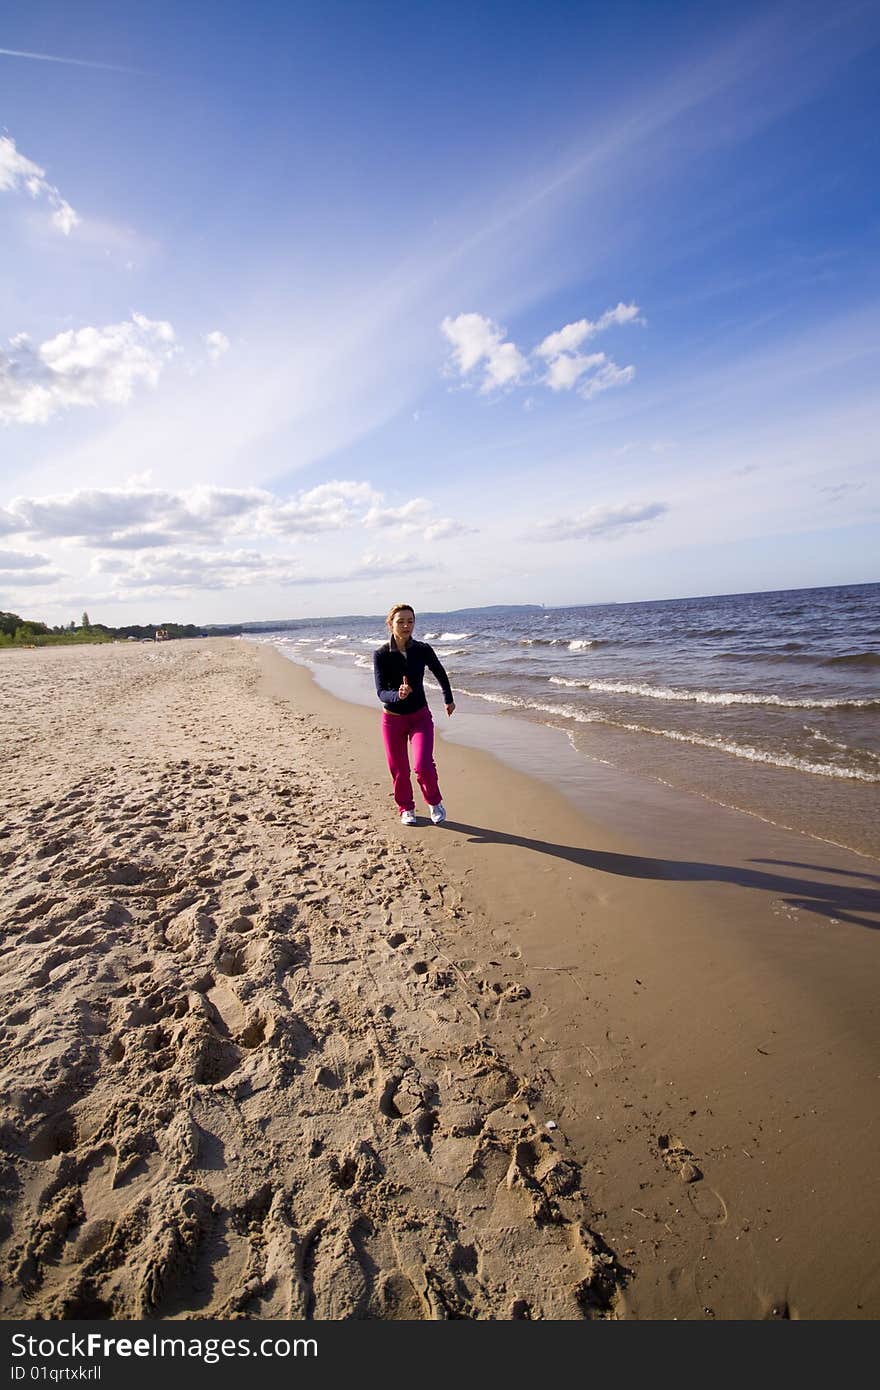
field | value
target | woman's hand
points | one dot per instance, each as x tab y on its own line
450	708
405	689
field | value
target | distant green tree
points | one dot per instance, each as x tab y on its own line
85	621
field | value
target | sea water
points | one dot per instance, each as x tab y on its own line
767	702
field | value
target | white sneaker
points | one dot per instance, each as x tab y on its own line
438	813
409	817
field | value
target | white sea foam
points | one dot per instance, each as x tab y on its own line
754	755
708	697
448	636
580	716
716	743
836	743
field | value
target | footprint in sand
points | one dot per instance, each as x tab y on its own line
708	1204
678	1158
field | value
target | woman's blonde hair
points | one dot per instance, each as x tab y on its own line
399	608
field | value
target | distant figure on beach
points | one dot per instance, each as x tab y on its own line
399	668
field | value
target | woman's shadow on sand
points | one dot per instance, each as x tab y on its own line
838	902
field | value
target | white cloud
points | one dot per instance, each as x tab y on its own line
85	366
607	376
133	518
31	579
21	560
17	173
150	543
176	571
217	344
413	517
179	572
476	340
608	522
566	366
136	518
22	569
446	527
377	566
410	517
566	369
329	507
570	337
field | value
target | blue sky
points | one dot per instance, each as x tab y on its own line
307	307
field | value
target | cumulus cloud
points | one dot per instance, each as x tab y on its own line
18	173
412	516
21	560
445	527
28	579
216	344
603	522
22	569
328	507
85	366
137	518
566	370
378	566
605	378
569	338
478	341
181	571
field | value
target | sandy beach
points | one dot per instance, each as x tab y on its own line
266	1053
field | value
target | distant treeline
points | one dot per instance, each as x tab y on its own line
25	632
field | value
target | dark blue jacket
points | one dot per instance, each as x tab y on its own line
390	666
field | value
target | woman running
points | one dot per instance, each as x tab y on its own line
399	668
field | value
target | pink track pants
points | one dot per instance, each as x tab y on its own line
397	730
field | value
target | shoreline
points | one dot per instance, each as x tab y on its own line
552	754
693	932
357	1031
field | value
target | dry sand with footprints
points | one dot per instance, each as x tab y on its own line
267	1054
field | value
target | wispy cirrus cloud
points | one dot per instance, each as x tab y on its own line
18	173
600	522
54	58
478	342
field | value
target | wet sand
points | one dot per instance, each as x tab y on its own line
267	1053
